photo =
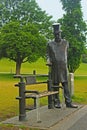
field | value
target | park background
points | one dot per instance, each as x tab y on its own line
8	92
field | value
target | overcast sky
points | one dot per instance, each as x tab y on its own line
54	8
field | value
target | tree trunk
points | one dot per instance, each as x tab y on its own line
18	67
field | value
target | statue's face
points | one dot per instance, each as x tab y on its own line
57	36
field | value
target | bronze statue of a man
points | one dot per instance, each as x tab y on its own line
57	58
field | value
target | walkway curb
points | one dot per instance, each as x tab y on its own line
51	119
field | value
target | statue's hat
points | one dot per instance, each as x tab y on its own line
56	27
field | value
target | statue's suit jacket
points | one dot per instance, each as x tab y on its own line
57	55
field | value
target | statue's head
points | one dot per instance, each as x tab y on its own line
57	31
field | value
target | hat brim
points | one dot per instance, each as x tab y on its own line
58	31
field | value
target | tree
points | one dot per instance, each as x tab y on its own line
25	29
74	29
25	11
21	43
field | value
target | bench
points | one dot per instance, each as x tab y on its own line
34	94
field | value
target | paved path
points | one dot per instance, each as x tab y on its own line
55	119
74	121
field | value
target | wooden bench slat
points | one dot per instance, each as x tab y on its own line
42	94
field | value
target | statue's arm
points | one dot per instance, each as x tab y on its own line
48	55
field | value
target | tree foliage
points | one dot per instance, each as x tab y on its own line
25	11
21	43
25	29
74	29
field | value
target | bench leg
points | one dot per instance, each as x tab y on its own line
50	97
38	109
34	103
50	102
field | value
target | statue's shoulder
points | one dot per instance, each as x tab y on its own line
50	43
64	40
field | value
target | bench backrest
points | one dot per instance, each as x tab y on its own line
30	80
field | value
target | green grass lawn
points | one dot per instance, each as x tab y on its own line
82	70
8	92
7	66
40	67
